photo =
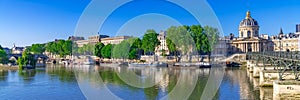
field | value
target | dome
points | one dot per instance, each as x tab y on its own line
249	21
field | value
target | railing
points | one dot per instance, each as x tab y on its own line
284	62
295	55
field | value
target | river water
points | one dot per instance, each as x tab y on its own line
129	83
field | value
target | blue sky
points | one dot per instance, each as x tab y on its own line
24	22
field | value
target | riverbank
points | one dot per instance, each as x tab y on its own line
5	67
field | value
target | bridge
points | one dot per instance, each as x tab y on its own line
285	63
39	57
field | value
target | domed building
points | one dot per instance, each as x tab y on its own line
249	39
248	27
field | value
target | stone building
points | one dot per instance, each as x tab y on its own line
286	42
17	50
249	39
162	48
114	40
91	40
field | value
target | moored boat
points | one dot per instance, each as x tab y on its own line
155	64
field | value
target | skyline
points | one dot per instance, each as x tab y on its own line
46	20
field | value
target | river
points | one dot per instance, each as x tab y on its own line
129	83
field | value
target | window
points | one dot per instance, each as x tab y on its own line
242	34
248	34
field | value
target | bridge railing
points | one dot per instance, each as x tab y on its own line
295	55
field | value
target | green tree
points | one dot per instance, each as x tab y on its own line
52	47
26	59
180	37
127	49
37	48
137	43
98	48
213	35
1	48
136	49
106	51
75	49
133	54
61	47
121	50
196	31
87	49
66	48
150	41
3	57
171	46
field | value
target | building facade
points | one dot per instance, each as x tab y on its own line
75	38
80	41
298	28
17	50
114	40
286	42
249	39
162	49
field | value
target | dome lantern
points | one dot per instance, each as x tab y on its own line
248	15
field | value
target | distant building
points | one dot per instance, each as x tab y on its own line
162	48
94	39
17	50
75	38
286	42
7	50
114	40
298	28
221	47
80	43
104	36
249	39
56	40
91	40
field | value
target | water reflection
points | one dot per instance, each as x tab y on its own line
27	75
94	82
188	83
3	75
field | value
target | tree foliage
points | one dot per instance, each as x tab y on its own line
61	47
87	49
213	35
127	49
3	57
205	38
181	38
37	48
106	51
98	48
150	41
121	50
171	46
26	59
